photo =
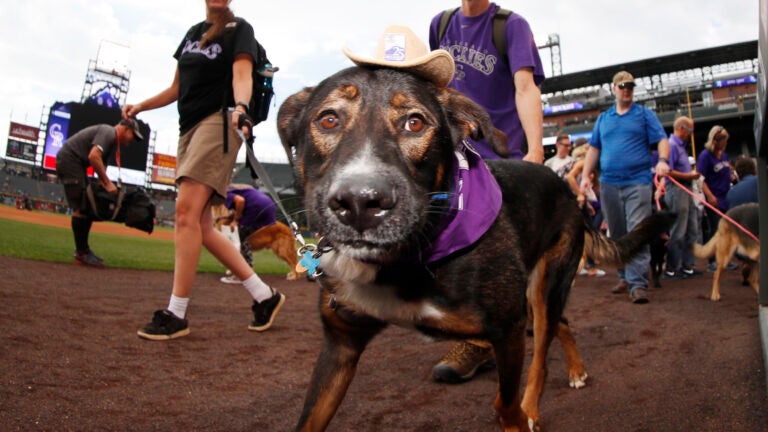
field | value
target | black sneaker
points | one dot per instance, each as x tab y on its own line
88	259
691	272
164	326
672	275
264	313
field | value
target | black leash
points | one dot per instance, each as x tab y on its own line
309	252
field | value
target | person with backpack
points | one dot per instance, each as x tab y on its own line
214	72
500	70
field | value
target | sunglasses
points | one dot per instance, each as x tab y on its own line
626	85
688	129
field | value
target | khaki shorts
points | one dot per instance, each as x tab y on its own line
201	155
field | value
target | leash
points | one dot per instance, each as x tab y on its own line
309	252
662	190
262	173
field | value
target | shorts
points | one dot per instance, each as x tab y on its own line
201	155
72	175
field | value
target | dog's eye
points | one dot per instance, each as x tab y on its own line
328	120
415	123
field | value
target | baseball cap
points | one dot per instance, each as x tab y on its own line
399	48
623	77
134	125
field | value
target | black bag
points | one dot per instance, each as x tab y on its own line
131	206
263	71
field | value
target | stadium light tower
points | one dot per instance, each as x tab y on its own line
553	43
108	76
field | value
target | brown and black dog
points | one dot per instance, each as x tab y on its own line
729	240
276	237
374	153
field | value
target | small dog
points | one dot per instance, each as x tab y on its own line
730	241
276	237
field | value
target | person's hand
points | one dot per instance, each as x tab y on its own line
586	185
110	187
130	111
241	120
662	169
534	156
696	175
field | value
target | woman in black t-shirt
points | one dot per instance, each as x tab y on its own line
214	64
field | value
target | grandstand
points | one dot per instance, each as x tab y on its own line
718	85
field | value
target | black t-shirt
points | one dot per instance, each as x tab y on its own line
205	75
78	146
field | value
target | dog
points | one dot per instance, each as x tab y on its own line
658	248
276	237
730	241
374	153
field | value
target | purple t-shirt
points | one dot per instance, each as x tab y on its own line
678	157
259	208
717	175
481	74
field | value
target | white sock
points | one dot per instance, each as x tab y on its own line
258	289
178	306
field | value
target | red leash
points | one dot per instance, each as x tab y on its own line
661	190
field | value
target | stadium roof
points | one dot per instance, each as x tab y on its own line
653	66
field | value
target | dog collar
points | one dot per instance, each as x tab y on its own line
475	204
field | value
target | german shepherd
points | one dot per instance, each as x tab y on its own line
276	237
374	152
729	241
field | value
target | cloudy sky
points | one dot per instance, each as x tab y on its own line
46	45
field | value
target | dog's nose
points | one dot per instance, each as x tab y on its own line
362	203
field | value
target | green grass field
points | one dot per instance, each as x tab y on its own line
45	243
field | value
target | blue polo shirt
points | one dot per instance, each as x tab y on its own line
625	143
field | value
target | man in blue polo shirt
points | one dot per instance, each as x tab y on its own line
622	140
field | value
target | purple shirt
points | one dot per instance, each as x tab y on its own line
481	74
259	208
717	175
678	157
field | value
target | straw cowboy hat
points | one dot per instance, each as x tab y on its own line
399	48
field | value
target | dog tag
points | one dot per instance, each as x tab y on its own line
308	263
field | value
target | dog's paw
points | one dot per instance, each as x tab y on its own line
533	425
578	381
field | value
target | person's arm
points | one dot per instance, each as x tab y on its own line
683	176
94	158
662	167
589	164
578	167
239	203
711	198
242	85
165	97
528	101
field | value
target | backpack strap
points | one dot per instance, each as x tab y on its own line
444	20
498	35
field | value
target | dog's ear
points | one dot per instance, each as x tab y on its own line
288	117
468	119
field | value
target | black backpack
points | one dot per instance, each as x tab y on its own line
262	92
499	20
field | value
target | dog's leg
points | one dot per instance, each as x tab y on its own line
345	336
723	254
542	338
510	355
577	372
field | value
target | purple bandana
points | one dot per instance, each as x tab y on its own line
474	206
